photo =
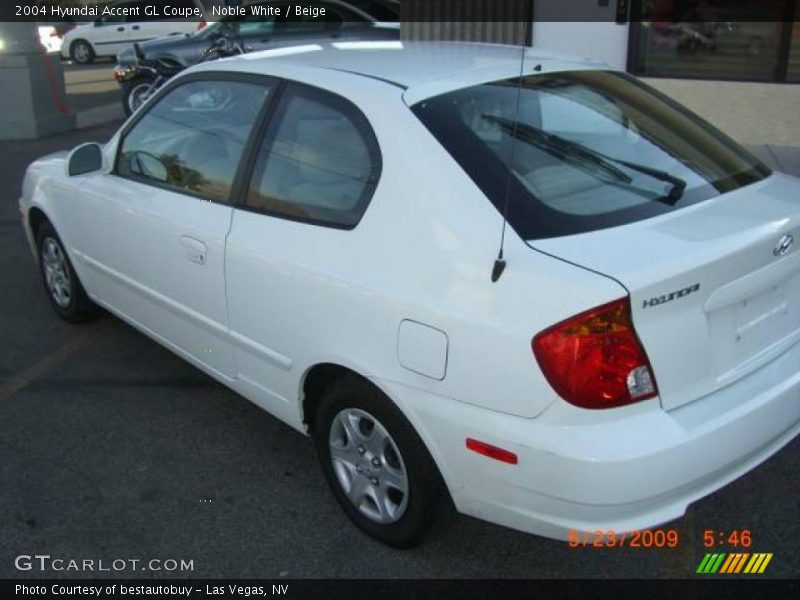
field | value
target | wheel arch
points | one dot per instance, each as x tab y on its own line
316	380
35	218
79	40
319	376
322	374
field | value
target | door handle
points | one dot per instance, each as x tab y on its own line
195	250
120	29
135	27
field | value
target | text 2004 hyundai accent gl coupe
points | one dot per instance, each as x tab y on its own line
318	231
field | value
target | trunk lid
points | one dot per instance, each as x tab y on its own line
715	287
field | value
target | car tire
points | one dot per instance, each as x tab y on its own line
130	92
370	452
61	283
82	52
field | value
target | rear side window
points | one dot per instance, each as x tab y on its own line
193	139
584	150
319	162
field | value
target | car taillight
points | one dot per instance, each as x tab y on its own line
201	25
595	359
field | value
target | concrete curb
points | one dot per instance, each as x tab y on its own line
99	115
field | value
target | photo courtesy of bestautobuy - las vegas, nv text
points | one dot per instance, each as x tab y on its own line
399	298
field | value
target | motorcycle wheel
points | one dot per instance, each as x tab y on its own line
135	92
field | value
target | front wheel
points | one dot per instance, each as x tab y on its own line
377	466
135	93
61	283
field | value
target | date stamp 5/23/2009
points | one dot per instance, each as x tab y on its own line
736	559
657	538
608	538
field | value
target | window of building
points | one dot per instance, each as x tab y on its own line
712	39
793	64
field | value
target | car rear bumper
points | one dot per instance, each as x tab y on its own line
619	470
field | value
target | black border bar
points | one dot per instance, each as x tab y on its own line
611	11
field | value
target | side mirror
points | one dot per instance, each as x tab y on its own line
86	158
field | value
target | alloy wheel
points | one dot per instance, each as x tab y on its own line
368	466
56	272
82	53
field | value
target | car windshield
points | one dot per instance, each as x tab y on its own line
579	151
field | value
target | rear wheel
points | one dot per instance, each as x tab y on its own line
82	52
135	92
377	466
61	283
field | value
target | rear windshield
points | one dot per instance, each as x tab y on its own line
590	150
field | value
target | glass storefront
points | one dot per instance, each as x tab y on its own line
793	67
717	39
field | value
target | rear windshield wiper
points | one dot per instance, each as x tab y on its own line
583	156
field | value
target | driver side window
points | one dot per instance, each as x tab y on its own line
193	139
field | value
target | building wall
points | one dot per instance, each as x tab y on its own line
502	32
505	22
606	42
751	113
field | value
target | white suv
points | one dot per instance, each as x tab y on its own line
111	33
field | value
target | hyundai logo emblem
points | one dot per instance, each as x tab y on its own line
784	246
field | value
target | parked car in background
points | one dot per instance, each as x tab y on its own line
106	36
343	21
316	228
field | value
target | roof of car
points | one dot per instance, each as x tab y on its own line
410	65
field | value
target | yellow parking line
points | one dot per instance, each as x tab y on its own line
34	372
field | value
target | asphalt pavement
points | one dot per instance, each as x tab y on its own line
113	448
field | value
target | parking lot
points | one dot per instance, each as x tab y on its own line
113	448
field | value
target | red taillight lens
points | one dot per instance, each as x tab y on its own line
595	359
201	25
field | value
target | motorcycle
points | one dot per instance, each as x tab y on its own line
142	79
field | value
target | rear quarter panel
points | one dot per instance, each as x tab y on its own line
423	251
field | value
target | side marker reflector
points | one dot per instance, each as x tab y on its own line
492	451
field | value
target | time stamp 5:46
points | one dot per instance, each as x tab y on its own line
655	538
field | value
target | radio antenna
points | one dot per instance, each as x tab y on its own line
500	262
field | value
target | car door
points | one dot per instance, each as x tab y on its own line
313	174
147	27
111	33
143	27
152	233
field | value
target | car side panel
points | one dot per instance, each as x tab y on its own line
302	294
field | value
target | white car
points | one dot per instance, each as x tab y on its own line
110	34
319	230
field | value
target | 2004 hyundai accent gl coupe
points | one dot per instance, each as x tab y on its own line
319	230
